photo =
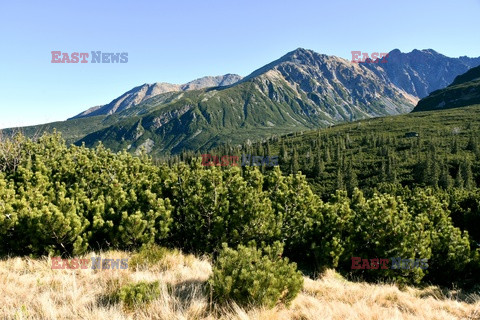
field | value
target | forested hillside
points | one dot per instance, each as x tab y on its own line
436	149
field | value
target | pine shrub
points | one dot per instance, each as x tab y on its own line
255	277
135	294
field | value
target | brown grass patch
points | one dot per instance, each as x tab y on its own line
30	289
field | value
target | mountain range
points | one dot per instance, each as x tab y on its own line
141	93
302	90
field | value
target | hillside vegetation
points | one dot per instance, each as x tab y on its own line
371	153
262	233
70	200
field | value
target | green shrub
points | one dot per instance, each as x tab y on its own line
296	211
449	246
217	205
61	199
137	293
151	254
250	276
383	227
413	226
465	210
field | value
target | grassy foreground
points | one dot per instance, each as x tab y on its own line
30	289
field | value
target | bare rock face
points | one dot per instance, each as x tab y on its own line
206	82
333	87
146	91
421	72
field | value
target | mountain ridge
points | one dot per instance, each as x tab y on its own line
421	72
301	90
138	94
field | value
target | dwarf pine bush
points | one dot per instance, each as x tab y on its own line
152	254
137	293
59	199
251	276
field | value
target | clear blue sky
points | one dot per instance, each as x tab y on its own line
178	41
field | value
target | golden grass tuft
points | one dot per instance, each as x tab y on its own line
30	289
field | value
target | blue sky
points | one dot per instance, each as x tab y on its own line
178	41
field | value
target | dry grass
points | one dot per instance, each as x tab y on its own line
30	289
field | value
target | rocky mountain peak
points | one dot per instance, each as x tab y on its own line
421	72
146	91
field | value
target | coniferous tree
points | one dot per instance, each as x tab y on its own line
340	183
267	149
472	145
311	159
319	166
455	147
294	166
445	179
383	172
283	156
467	175
392	169
327	157
338	155
351	181
420	171
432	172
459	182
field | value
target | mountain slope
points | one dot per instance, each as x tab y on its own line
301	90
340	89
422	71
141	93
464	91
417	73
